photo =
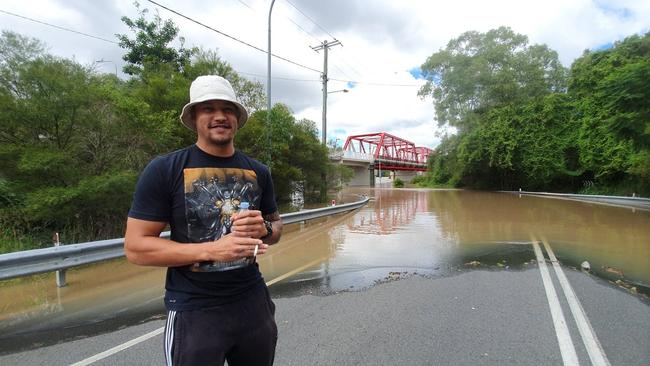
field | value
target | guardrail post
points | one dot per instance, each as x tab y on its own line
60	274
60	278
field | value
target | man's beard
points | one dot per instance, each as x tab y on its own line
221	141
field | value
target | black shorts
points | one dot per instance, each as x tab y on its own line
243	333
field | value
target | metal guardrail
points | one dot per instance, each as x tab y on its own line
29	262
622	201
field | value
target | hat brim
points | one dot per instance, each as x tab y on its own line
186	113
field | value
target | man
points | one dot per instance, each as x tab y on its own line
218	305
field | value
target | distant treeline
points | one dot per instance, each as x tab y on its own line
73	141
514	117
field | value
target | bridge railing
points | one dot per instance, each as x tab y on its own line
60	258
385	159
353	155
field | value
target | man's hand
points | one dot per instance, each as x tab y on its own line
249	224
233	247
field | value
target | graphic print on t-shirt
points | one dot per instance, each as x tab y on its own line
212	195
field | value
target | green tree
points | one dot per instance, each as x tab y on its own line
162	74
150	46
479	71
207	62
612	104
515	125
70	144
298	160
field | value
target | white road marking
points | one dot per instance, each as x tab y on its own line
161	330
299	269
119	348
593	346
567	350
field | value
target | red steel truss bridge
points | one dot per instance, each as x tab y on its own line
386	152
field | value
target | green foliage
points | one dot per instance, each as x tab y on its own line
207	62
150	46
68	142
338	175
530	145
72	142
297	159
479	71
398	183
613	107
419	180
7	194
518	127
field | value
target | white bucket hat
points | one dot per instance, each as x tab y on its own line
211	87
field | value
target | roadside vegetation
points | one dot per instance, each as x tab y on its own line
513	117
73	141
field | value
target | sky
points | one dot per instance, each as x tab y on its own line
383	45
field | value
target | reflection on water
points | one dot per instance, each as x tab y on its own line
33	311
438	232
414	231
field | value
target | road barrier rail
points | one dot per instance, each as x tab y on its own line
621	201
62	257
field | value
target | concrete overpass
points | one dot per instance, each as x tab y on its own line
370	154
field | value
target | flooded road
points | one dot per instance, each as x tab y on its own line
399	233
439	232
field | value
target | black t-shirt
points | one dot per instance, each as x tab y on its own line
196	193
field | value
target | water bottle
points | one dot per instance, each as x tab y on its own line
243	206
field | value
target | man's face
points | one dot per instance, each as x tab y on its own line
216	122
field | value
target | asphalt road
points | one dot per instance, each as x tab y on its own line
476	316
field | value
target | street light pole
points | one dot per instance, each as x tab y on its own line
268	94
325	79
268	71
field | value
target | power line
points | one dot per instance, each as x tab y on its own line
331	79
58	27
373	83
351	67
342	72
246	5
231	37
325	30
303	29
309	34
278	77
291	20
312	20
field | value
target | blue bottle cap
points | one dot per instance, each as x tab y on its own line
244	205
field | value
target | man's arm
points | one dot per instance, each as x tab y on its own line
143	246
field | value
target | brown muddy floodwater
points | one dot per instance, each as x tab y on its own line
400	232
